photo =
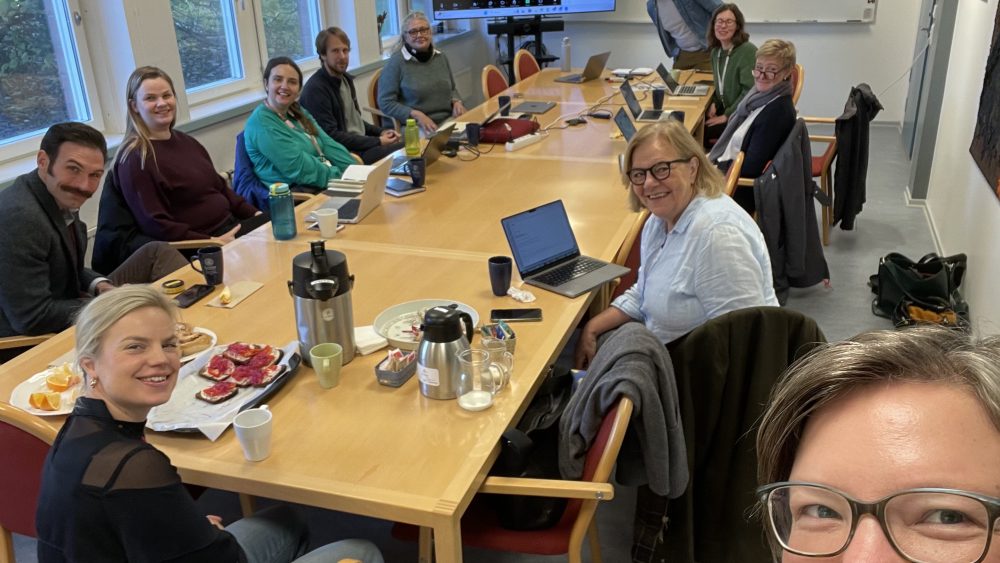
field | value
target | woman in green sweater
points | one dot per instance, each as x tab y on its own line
283	141
733	57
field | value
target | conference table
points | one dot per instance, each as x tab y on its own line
386	452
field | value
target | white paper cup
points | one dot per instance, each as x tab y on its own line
253	430
327	219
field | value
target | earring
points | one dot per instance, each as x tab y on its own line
93	382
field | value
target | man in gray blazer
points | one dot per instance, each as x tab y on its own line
43	242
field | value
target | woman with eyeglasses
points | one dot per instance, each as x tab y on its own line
733	57
885	447
701	255
762	120
283	140
109	495
416	82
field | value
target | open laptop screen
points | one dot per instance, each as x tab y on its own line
630	99
540	237
624	124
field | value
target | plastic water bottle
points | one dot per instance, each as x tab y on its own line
412	138
282	211
566	65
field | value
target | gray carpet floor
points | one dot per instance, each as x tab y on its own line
843	309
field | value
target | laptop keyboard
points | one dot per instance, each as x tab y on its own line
687	90
569	271
349	210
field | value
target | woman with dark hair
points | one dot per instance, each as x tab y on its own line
732	60
167	177
108	495
283	141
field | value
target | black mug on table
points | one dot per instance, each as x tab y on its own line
658	98
500	272
418	171
210	260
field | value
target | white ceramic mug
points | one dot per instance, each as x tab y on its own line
253	430
327	219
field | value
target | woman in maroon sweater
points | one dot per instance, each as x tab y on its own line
167	177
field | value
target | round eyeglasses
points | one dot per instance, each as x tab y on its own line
660	171
418	31
724	22
926	525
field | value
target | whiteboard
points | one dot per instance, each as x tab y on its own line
757	11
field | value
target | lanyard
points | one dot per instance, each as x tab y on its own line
720	79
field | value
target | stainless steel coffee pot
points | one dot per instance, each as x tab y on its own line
321	291
437	355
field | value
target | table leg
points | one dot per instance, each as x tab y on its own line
426	545
448	541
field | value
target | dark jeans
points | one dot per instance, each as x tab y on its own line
151	262
246	225
376	154
699	60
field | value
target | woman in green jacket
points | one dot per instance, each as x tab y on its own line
733	57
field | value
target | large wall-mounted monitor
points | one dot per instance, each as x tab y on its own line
456	9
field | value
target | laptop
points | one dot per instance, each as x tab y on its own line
625	124
675	89
401	162
532	107
547	255
594	68
353	209
640	115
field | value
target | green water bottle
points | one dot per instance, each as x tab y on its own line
412	137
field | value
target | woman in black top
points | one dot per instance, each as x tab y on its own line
107	495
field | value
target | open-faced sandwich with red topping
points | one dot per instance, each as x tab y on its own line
244	375
217	393
218	368
267	374
266	356
241	352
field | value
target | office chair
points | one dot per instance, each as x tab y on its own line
493	81
525	65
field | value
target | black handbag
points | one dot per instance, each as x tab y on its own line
933	280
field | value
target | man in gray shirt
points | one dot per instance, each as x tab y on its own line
330	97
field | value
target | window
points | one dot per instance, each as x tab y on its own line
290	28
207	41
40	78
388	17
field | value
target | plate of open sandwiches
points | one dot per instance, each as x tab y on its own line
220	383
193	340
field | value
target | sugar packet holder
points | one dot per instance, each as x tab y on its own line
501	331
396	368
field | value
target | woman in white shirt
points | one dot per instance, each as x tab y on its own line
701	255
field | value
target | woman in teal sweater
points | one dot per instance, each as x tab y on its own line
733	57
283	141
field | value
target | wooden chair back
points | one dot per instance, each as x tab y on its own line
525	65
493	81
25	441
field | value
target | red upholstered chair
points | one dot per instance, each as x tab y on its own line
494	81
798	78
525	65
629	256
25	441
822	168
481	528
379	118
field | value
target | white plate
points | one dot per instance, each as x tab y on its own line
210	334
35	384
391	323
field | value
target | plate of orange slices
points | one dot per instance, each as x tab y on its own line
49	393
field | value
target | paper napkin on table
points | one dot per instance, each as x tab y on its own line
239	291
366	340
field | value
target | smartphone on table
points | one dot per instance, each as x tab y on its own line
192	295
516	315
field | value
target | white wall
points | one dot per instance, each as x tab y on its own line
962	206
835	56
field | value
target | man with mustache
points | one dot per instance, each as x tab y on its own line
43	242
330	97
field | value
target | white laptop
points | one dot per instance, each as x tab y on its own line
674	88
353	209
594	68
432	151
641	115
547	255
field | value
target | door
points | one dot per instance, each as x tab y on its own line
918	84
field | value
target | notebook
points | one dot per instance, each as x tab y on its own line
640	115
354	209
594	68
675	89
625	124
547	255
432	151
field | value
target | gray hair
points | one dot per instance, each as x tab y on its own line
107	309
417	15
921	354
709	182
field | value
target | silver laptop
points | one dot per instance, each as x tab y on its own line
401	162
625	124
641	115
353	209
547	255
594	68
532	107
674	88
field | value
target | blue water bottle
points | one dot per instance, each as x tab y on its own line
282	211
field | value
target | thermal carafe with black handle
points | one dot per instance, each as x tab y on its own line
437	355
321	291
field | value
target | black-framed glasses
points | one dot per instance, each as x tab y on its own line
418	31
759	72
926	525
660	171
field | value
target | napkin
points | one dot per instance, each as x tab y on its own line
522	295
240	291
366	340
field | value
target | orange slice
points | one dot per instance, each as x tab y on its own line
61	381
45	401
